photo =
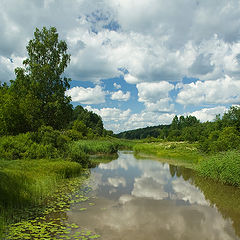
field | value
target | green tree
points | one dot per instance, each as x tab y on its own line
40	86
232	117
90	119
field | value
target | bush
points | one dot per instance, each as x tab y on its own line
76	154
14	147
224	167
96	146
220	141
73	135
79	126
37	151
46	143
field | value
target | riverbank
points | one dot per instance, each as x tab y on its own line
223	167
29	182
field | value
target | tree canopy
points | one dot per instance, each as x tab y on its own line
39	86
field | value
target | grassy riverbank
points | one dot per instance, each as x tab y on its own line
26	183
178	153
223	167
29	182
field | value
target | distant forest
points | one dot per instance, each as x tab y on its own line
222	134
141	133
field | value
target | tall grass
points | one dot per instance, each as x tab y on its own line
223	167
29	182
124	144
95	146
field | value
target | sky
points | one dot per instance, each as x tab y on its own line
136	63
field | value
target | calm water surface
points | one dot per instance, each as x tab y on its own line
146	199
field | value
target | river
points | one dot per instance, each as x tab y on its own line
147	199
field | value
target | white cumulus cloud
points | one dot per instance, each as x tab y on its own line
120	96
225	90
89	95
111	114
209	114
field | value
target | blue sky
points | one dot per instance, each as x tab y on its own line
136	63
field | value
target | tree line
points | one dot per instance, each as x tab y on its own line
222	134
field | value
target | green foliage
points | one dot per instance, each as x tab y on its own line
142	133
80	127
73	135
12	119
15	147
39	89
218	141
95	146
219	135
185	153
76	154
46	143
232	118
224	167
89	119
26	182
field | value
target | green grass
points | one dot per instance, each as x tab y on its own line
180	153
95	146
124	144
223	167
29	183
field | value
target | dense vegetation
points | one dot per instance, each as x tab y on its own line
43	139
142	133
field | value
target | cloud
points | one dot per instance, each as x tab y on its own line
155	96
104	36
7	66
151	92
148	188
222	91
154	40
117	86
87	95
187	192
111	114
162	105
120	96
208	114
130	79
143	119
122	120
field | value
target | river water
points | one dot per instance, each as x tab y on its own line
147	199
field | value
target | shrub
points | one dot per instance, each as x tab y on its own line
14	147
37	151
80	127
224	167
73	135
76	154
